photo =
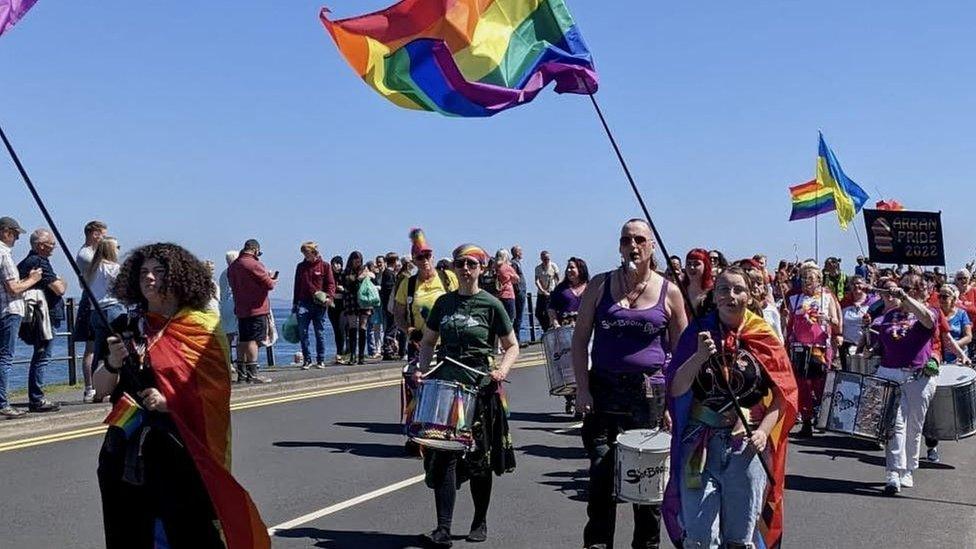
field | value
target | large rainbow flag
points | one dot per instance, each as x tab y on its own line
11	11
466	57
757	337
811	199
191	362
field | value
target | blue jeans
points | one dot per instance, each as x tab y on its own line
314	314
9	324
101	331
726	506
39	361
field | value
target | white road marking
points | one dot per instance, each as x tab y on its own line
344	505
569	429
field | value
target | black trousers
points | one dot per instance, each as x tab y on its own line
620	405
443	478
335	319
542	311
171	497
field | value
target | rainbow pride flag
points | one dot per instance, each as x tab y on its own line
11	11
811	199
466	58
849	198
126	414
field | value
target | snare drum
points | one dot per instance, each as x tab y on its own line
642	466
859	405
557	343
952	411
443	415
862	364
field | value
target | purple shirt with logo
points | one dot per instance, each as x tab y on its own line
904	342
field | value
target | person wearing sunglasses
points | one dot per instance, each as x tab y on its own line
718	261
468	322
416	294
633	314
904	342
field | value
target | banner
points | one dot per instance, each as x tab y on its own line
903	237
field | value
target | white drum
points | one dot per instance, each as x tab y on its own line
557	344
952	411
643	465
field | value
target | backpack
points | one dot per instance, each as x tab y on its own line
412	289
368	296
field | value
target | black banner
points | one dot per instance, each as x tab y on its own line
908	238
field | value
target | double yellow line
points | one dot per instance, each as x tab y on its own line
268	401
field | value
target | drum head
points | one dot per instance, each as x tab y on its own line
952	374
645	440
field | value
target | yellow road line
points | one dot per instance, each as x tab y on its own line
98	429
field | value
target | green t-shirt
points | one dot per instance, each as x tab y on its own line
468	326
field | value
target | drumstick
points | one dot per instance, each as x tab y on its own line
468	368
428	372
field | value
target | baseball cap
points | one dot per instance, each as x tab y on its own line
11	223
251	244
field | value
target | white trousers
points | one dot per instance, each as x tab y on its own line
901	451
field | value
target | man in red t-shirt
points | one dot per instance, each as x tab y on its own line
251	283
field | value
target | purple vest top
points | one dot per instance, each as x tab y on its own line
629	340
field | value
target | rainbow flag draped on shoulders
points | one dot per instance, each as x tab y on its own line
191	363
757	337
467	58
11	11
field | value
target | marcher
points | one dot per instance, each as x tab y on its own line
718	491
546	278
833	278
313	292
50	290
564	304
164	468
416	295
854	310
812	334
251	283
633	314
904	342
94	231
467	322
698	280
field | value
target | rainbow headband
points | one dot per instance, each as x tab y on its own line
473	251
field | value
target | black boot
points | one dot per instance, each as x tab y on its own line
807	430
438	538
252	374
479	533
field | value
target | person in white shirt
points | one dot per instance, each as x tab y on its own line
546	278
82	330
11	306
101	275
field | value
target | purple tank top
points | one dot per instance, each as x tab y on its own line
629	340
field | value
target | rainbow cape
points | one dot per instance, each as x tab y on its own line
190	362
848	196
758	338
11	11
126	414
466	57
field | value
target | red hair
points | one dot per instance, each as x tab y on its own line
708	279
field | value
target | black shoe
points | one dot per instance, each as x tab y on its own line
806	431
44	406
360	361
479	533
438	538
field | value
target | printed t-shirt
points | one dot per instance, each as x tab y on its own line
425	295
904	341
468	327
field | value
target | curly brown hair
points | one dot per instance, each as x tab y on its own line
187	278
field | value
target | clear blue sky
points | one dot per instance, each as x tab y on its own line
211	122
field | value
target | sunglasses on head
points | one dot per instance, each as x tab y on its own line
465	262
626	240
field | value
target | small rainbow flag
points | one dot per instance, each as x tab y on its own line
460	422
811	199
126	415
466	57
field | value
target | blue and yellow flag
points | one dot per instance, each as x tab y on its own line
849	198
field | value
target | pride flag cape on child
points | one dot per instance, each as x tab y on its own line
466	57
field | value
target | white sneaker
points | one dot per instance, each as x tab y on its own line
892	484
906	480
89	395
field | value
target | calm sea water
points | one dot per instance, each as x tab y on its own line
57	370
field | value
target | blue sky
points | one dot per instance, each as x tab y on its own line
209	123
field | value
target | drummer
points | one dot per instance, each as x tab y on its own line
904	342
468	321
633	314
813	328
717	493
564	304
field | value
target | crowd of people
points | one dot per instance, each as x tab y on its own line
675	334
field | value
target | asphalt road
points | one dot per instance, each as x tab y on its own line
317	456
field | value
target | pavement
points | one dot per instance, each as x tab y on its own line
326	469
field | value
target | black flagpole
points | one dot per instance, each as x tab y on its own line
684	292
53	226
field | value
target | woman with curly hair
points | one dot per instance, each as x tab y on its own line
164	466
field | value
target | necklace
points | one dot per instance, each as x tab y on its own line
634	294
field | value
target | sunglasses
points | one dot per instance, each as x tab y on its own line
626	240
469	263
946	296
424	255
